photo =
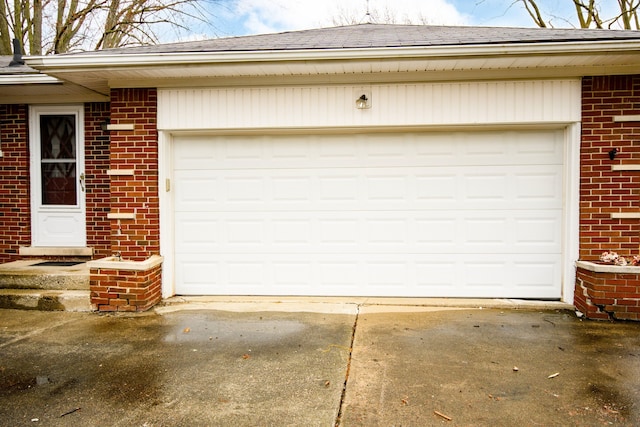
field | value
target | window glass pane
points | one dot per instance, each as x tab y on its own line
58	136
57	163
58	183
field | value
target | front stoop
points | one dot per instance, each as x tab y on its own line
26	275
32	299
25	286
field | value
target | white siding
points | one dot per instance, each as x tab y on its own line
420	104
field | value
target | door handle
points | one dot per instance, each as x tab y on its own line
82	181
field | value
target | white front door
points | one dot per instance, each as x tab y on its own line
57	176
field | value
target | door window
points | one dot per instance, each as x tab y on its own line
58	159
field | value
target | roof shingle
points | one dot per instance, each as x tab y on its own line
364	36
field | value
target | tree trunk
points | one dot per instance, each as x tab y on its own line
5	36
35	36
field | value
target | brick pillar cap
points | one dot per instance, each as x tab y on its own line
607	268
115	263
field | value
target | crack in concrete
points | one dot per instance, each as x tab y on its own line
341	404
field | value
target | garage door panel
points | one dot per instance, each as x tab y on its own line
483	233
293	188
478	188
191	270
195	190
194	231
471	275
486	187
245	271
538	187
433	275
466	214
370	232
535	275
542	231
435	149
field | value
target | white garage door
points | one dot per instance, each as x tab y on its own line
465	214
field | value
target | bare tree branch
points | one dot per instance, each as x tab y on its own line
588	14
57	26
534	12
628	14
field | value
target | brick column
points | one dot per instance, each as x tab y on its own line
609	197
131	279
604	191
135	219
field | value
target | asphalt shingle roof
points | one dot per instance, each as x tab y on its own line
381	36
6	68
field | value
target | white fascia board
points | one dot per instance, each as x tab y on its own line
78	62
28	79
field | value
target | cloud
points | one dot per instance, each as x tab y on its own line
263	16
243	17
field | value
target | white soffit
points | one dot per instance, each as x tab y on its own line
47	91
31	88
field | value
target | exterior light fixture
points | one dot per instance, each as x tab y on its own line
362	102
612	153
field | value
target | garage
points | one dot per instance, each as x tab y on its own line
463	213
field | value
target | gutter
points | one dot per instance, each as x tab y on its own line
98	60
28	79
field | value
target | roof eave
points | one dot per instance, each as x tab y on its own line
91	61
28	79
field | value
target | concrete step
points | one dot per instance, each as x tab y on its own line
45	300
25	274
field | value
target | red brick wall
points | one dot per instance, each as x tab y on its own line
608	296
15	210
97	180
603	191
125	290
138	238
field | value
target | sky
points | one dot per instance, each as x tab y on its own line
244	17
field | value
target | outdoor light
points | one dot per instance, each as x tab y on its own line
362	102
612	153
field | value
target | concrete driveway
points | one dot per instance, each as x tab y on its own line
343	364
